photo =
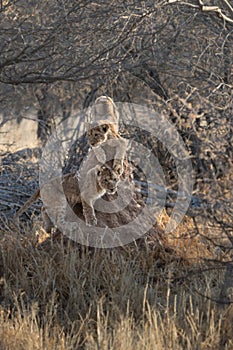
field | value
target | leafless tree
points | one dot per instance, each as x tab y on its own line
176	56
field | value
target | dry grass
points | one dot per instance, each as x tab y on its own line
58	295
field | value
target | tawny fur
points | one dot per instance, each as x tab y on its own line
107	144
98	181
103	135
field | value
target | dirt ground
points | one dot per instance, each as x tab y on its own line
15	136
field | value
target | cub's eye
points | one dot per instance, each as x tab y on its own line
104	128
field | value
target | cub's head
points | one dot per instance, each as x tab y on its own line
107	179
98	132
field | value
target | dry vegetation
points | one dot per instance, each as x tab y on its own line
163	291
58	295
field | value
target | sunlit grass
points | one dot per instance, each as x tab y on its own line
58	295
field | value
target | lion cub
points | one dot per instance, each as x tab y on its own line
99	180
107	144
103	134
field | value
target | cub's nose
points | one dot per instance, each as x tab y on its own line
112	190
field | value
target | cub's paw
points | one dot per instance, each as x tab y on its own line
91	221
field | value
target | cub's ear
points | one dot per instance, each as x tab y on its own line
98	170
103	167
105	127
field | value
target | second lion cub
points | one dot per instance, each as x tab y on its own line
107	144
98	181
103	135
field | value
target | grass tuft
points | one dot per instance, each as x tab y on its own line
152	294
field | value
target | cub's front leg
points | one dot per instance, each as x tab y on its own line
47	222
121	147
89	213
100	154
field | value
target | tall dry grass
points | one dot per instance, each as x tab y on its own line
150	295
